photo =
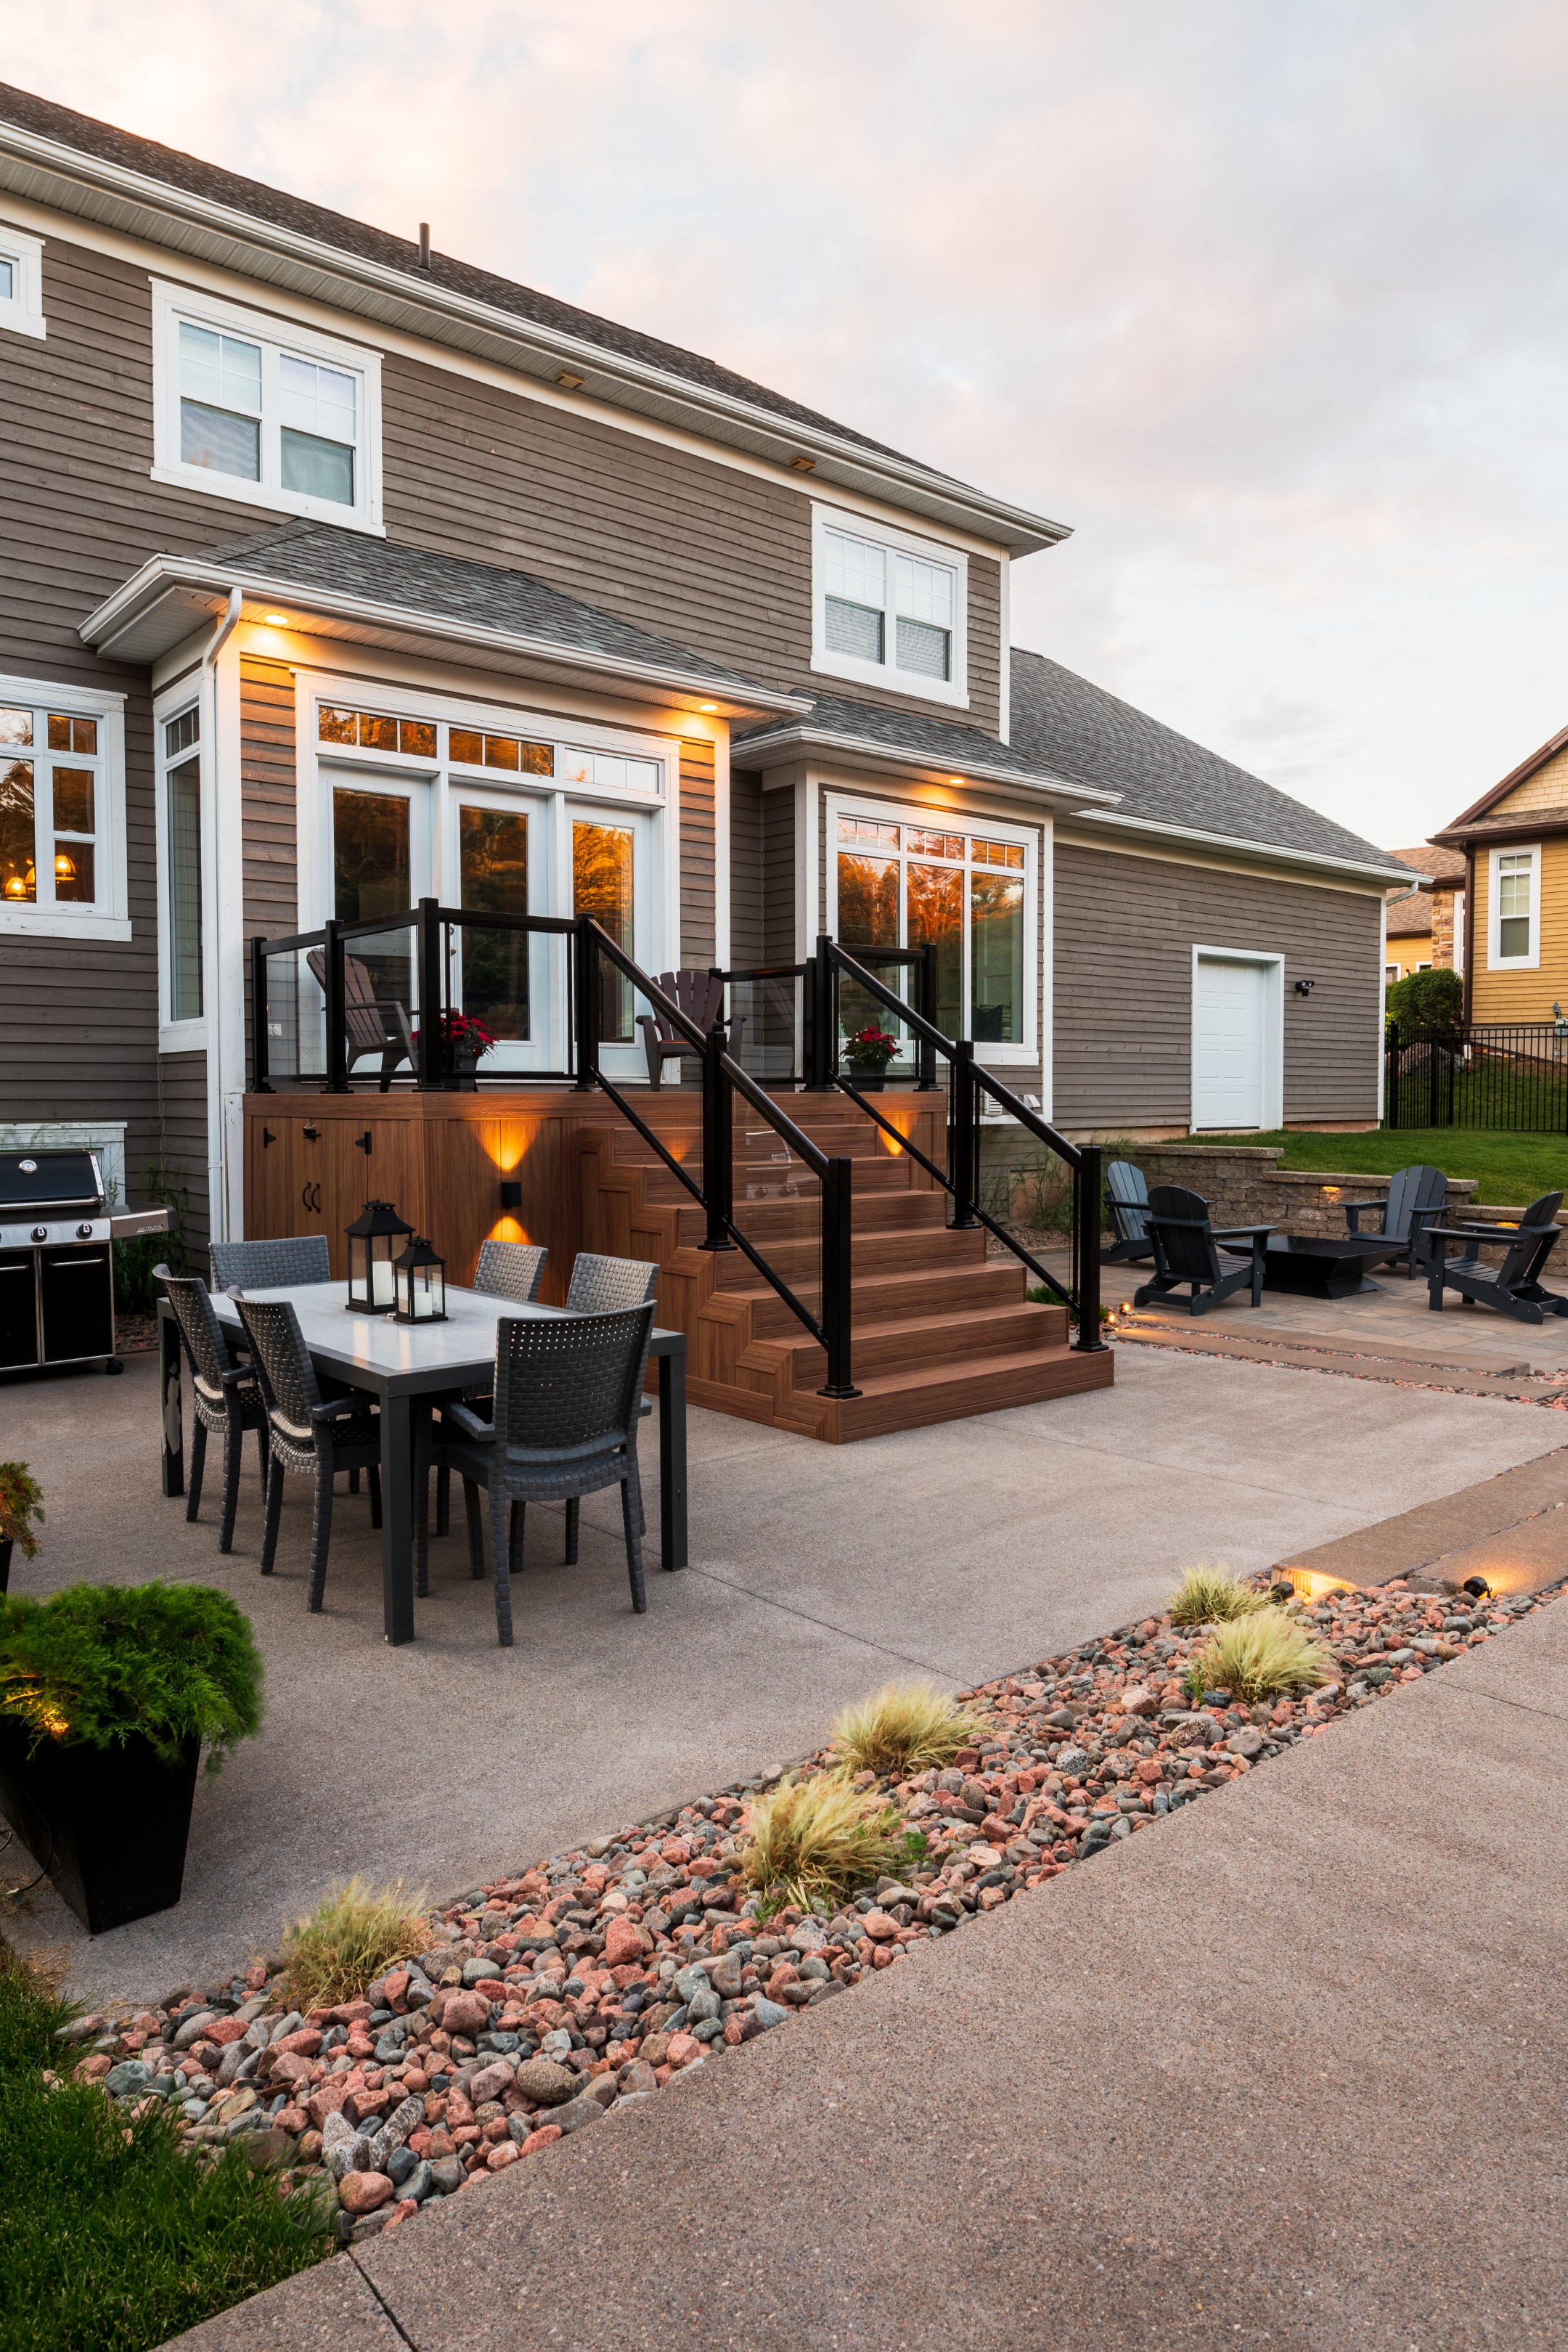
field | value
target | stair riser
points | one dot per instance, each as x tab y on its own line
920	1346
915	1294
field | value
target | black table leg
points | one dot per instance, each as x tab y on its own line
169	1397
397	1520
672	1459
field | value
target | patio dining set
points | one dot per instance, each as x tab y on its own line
1173	1228
523	1403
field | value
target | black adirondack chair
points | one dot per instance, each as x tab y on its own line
1417	1197
1127	1200
1513	1288
1187	1253
701	998
371	1028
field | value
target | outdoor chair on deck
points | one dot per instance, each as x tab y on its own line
511	1270
307	1435
565	1425
1187	1253
225	1394
1513	1288
369	1029
701	997
270	1265
1127	1198
1415	1201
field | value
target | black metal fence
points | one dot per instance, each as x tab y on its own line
1509	1075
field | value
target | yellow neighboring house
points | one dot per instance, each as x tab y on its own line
1514	842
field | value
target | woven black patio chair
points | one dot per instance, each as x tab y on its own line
225	1394
605	1286
510	1270
565	1425
1187	1253
1514	1288
306	1433
1127	1198
270	1265
1417	1198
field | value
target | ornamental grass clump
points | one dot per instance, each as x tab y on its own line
1209	1595
100	1663
353	1935
818	1839
1265	1654
903	1727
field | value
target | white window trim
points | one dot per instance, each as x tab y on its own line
178	1036
24	313
993	1053
171	304
109	918
1273	1093
952	691
1496	959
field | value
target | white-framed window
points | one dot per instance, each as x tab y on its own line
1515	944
21	282
62	811
903	878
887	608
182	885
254	408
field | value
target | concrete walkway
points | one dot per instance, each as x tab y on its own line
1286	2072
818	1572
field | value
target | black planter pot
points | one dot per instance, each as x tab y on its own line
867	1082
109	1825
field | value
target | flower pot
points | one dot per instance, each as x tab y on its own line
107	1824
867	1082
461	1069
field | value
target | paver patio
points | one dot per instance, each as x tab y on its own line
962	1550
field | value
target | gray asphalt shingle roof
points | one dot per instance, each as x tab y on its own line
212	184
1081	732
939	742
318	555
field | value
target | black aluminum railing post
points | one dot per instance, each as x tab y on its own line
964	1140
838	1273
432	1067
259	1066
822	1055
1089	1181
925	1004
587	1005
717	1145
337	1018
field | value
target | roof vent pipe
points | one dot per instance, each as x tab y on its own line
424	244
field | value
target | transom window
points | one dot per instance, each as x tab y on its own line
904	886
888	610
468	747
248	409
51	799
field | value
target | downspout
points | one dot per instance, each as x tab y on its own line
212	946
1470	926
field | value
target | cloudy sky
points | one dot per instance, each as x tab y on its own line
1268	302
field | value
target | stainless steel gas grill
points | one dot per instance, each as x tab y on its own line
56	1269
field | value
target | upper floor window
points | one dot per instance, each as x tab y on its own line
250	408
61	812
1516	908
889	609
21	281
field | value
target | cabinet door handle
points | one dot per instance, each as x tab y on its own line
310	1197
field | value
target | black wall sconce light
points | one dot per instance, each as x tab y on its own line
511	1193
1305	987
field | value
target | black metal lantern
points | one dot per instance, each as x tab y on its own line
421	1286
373	1240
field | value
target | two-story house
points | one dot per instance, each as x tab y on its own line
340	574
1513	845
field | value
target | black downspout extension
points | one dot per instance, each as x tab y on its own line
1091	1179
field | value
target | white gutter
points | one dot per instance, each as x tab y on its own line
214	865
773	748
1020	530
119	614
1278	853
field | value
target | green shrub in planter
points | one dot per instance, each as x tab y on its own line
21	1512
108	1694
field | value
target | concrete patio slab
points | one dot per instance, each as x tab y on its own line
962	1550
1285	2071
1512	1529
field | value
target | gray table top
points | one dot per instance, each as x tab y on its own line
373	1351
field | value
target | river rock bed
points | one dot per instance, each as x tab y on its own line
547	2000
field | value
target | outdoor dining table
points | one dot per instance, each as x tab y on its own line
404	1366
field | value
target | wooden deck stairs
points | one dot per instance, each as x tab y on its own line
940	1330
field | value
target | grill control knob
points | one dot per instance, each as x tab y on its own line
40	1233
84	1233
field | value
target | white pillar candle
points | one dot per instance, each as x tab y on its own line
380	1283
422	1304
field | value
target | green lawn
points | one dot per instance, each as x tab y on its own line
114	2239
1512	1168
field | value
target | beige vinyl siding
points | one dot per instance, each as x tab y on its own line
1125	931
1516	995
717	560
183	1144
746	932
697	945
778	876
268	796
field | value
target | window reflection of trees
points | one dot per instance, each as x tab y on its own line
602	886
493	855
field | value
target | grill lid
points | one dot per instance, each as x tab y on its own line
31	1181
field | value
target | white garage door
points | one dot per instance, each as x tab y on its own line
1228	1013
